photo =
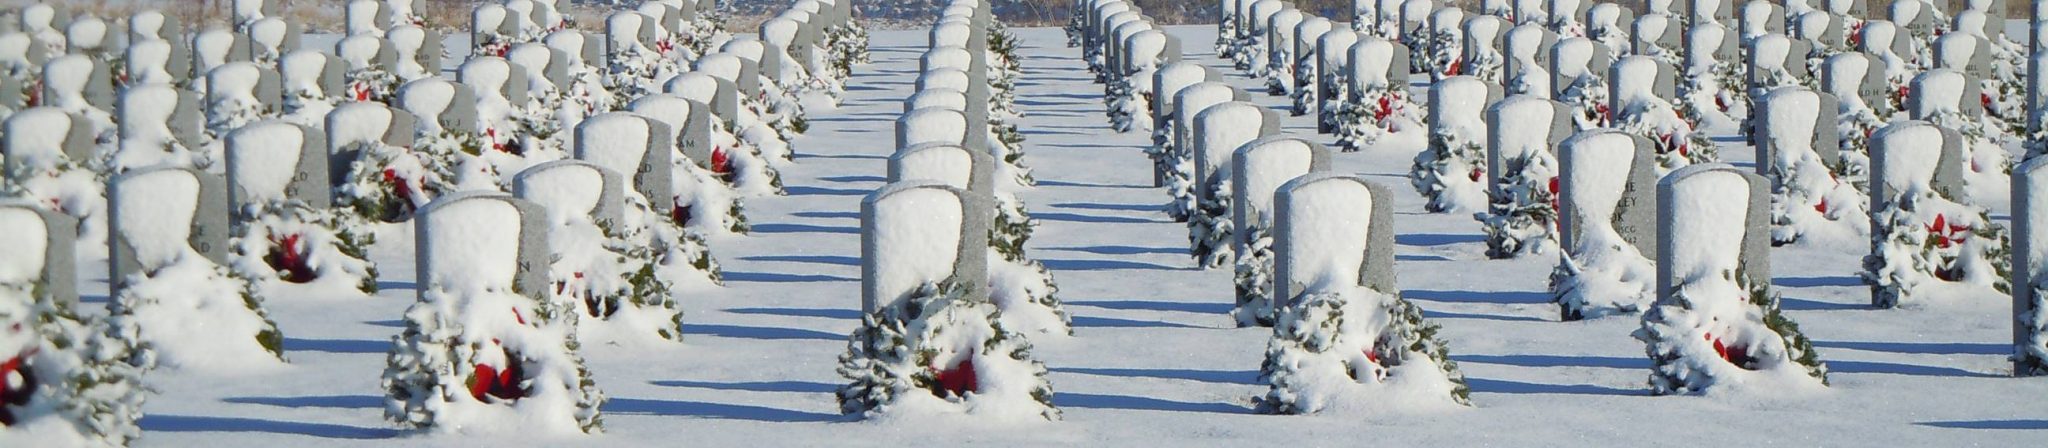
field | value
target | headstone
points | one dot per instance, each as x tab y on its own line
353	123
561	187
245	80
1702	11
1519	126
276	160
1706	45
416	46
365	17
635	146
160	110
931	125
364	51
1793	116
439	105
1332	229
455	226
272	37
916	232
1940	90
1592	190
1191	101
1454	109
1219	131
1965	52
214	47
1620	78
78	76
1857	75
1258	169
491	76
718	94
1905	144
581	48
1760	17
2029	251
949	164
690	120
1526	47
23	139
45	239
1659	30
1573	58
156	215
1717	215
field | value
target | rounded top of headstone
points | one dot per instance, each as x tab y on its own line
945	78
726	66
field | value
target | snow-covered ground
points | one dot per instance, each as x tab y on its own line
1155	360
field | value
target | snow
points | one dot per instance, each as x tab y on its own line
1322	232
615	141
1218	132
916	239
356	123
1154	360
1911	155
28	240
472	247
572	190
1712	225
264	157
151	207
427	101
933	126
1267	165
945	164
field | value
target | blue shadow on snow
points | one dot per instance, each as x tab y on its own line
714	410
766	333
325	401
1246	377
755	386
189	423
1989	424
1099	401
802	312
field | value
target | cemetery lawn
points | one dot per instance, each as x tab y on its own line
1156	360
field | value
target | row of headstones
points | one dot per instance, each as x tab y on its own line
1569	51
1317	217
925	248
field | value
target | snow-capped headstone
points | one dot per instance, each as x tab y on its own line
635	146
417	48
439	104
949	164
1716	323
57	276
241	81
311	68
545	183
25	136
1859	75
921	231
1965	52
272	37
1659	30
356	123
1526	47
1942	89
1902	146
1575	57
1522	134
1759	17
1307	238
1607	178
61	81
142	107
1447	172
1258	169
931	125
691	121
1752	233
1789	117
492	75
216	46
1698	11
718	94
1219	131
205	218
273	160
530	244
